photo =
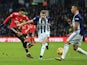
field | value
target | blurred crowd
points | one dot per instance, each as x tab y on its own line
57	12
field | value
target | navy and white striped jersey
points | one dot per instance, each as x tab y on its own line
78	18
42	24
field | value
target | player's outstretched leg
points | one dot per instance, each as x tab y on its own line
29	42
26	49
25	46
80	50
42	50
44	44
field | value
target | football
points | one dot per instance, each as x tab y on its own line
60	51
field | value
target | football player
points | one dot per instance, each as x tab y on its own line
43	27
77	35
16	18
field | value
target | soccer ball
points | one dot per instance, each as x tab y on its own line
60	51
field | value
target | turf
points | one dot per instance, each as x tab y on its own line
13	54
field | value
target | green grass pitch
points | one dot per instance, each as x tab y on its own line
14	54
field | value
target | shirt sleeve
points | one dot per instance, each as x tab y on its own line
49	18
8	18
77	18
36	18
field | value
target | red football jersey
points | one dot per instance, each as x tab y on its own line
25	29
15	16
32	28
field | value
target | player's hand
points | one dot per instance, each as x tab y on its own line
1	25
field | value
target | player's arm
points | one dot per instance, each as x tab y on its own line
77	19
29	21
49	19
76	26
7	19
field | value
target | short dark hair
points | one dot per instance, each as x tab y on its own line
22	9
75	5
43	11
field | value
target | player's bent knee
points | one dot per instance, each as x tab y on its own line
67	43
45	40
74	49
25	45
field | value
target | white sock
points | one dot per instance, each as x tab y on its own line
42	49
46	44
66	47
81	51
27	53
28	44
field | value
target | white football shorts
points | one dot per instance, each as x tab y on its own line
42	36
75	38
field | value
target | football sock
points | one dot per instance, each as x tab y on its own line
28	44
26	51
66	47
46	44
41	56
42	49
81	51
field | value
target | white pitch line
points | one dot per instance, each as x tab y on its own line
49	59
69	58
35	59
